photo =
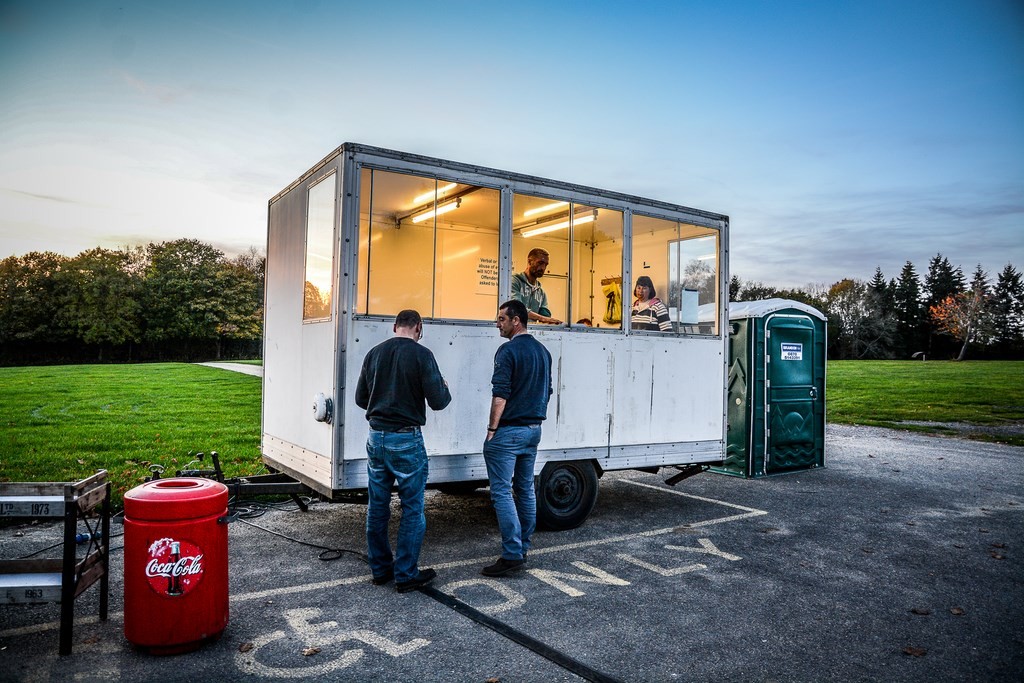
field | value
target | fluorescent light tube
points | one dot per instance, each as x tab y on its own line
547	208
532	232
442	208
429	196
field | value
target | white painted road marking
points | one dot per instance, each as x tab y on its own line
554	578
320	635
663	571
364	578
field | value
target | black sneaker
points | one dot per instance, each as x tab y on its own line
383	578
502	567
425	577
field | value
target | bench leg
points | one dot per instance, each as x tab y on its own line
67	581
105	544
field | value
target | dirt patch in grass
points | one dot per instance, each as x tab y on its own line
1005	432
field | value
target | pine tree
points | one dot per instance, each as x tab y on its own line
941	282
909	313
880	313
1008	314
883	291
981	289
735	286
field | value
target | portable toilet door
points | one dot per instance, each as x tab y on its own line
794	438
776	388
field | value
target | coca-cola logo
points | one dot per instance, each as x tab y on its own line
174	568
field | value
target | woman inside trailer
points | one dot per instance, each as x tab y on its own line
649	313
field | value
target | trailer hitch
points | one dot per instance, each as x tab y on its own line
276	483
215	473
685	472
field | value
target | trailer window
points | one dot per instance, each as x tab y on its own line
584	248
316	297
428	244
681	263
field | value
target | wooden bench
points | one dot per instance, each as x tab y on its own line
60	580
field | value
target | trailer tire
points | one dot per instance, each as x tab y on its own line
566	493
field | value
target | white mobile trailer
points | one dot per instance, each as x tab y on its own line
368	232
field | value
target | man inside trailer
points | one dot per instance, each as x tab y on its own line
526	287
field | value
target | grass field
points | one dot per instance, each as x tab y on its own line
61	423
989	394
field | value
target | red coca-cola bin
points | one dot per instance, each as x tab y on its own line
175	564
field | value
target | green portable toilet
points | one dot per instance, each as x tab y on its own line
776	415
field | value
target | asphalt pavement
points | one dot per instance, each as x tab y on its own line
898	561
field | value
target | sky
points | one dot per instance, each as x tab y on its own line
837	136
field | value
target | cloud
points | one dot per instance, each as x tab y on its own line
45	197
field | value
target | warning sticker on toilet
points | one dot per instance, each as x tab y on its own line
792	351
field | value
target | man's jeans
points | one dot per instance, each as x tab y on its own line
510	456
395	457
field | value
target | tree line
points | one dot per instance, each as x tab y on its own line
177	300
943	316
185	300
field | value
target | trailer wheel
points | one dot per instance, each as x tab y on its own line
566	493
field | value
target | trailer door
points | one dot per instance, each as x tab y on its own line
791	393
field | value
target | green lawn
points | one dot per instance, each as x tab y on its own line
886	393
61	423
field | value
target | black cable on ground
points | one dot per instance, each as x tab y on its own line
327	555
60	543
254	509
547	652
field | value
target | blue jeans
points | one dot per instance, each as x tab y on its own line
395	457
510	456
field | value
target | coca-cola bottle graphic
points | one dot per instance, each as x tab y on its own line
174	581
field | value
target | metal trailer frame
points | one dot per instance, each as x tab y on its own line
588	431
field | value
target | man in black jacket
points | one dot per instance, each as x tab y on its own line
397	376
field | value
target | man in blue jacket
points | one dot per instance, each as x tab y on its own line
397	376
520	388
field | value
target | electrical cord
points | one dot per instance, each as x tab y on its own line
327	555
253	509
61	542
256	509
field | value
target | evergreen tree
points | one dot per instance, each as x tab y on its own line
735	286
982	290
941	282
909	313
881	288
881	316
1008	314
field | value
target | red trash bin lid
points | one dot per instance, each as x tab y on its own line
176	498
